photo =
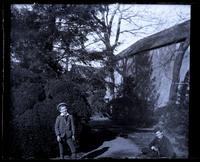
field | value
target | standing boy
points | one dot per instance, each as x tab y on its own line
65	130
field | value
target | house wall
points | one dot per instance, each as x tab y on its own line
163	61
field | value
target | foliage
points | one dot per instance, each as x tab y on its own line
90	82
178	115
139	90
175	118
38	81
124	111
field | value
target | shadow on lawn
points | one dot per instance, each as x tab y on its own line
95	153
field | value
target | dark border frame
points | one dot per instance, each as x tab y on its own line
194	134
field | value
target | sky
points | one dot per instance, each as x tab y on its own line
168	14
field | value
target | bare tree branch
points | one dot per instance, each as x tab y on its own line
107	11
118	30
133	32
100	36
98	20
112	17
95	41
125	9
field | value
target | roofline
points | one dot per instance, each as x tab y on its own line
175	34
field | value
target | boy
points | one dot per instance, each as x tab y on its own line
65	130
160	147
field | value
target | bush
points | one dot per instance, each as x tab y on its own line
33	121
126	111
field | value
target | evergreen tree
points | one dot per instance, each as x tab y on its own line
145	86
138	93
36	74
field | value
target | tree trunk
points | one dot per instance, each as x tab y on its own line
176	71
113	83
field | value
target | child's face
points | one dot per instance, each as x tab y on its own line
159	134
63	110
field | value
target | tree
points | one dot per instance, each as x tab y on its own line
110	20
145	85
36	74
90	82
138	91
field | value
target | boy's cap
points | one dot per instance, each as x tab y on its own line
158	129
61	104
